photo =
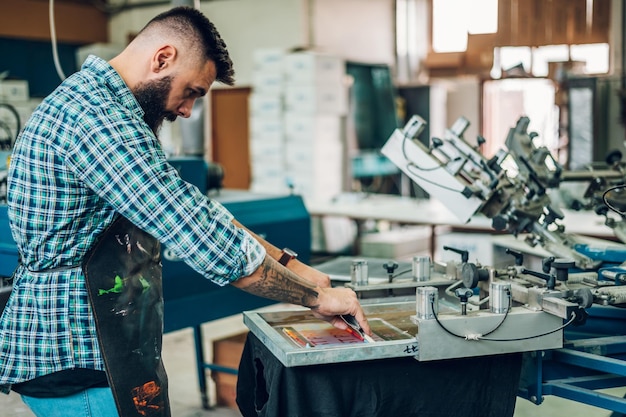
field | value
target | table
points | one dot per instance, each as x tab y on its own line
393	208
469	387
431	212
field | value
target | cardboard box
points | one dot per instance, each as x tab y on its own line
313	127
268	60
227	352
268	82
267	127
322	98
262	105
266	149
316	159
314	68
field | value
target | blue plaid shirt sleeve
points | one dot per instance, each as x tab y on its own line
119	158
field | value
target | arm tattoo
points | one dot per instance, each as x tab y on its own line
283	285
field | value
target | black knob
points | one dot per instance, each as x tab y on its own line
546	264
561	267
601	210
519	257
464	294
549	278
464	254
390	266
613	157
576	205
499	223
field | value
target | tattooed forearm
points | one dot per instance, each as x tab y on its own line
280	284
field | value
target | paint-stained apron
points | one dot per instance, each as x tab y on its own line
123	275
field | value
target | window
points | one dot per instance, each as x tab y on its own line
453	20
581	59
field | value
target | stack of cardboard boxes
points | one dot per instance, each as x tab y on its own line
298	109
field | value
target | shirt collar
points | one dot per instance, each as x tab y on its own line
113	81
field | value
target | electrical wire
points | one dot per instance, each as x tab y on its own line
411	164
606	202
538	335
405	138
53	40
18	121
489	339
412	167
401	273
467	337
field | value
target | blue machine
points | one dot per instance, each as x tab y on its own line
8	250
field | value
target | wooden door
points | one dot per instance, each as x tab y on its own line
230	135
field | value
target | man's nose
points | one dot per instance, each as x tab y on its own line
185	109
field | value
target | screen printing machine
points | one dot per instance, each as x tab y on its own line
565	320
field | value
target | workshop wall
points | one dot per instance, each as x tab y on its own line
31	60
248	25
75	23
25	39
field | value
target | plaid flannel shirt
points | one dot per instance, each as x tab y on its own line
85	155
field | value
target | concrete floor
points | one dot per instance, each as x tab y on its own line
178	356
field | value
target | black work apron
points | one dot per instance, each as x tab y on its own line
123	275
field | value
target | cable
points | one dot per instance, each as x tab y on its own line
480	337
13	110
466	337
404	140
53	40
538	335
401	273
606	202
412	164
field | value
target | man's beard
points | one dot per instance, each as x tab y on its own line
152	97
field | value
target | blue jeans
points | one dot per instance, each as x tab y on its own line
92	402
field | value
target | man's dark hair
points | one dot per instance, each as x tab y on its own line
198	30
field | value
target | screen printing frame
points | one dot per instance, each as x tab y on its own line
267	326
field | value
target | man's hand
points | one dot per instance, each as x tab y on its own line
333	302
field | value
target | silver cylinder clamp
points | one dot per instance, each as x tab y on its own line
359	272
421	268
426	302
499	297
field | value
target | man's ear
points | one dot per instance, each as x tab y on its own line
163	58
